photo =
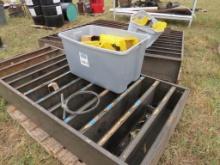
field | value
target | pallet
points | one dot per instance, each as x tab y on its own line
52	146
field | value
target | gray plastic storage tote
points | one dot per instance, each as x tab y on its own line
112	70
144	29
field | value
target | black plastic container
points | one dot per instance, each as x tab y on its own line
65	1
35	10
49	2
32	2
54	21
51	10
38	20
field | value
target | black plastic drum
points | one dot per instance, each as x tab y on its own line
54	21
65	1
32	2
49	2
35	10
51	10
38	20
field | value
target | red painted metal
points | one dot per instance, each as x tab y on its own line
97	6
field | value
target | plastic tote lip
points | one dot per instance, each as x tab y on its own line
135	34
144	29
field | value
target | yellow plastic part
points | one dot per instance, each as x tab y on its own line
112	42
107	46
159	26
123	43
92	43
141	21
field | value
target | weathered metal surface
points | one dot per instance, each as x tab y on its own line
162	60
131	128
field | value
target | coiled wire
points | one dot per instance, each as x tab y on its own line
64	103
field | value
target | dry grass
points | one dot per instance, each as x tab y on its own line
197	137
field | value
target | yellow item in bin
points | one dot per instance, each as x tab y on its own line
141	21
159	26
117	43
111	42
92	43
107	45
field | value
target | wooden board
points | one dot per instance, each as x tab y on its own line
52	146
43	27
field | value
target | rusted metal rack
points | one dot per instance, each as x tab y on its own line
162	60
132	128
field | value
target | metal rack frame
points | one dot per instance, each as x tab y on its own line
157	104
162	15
